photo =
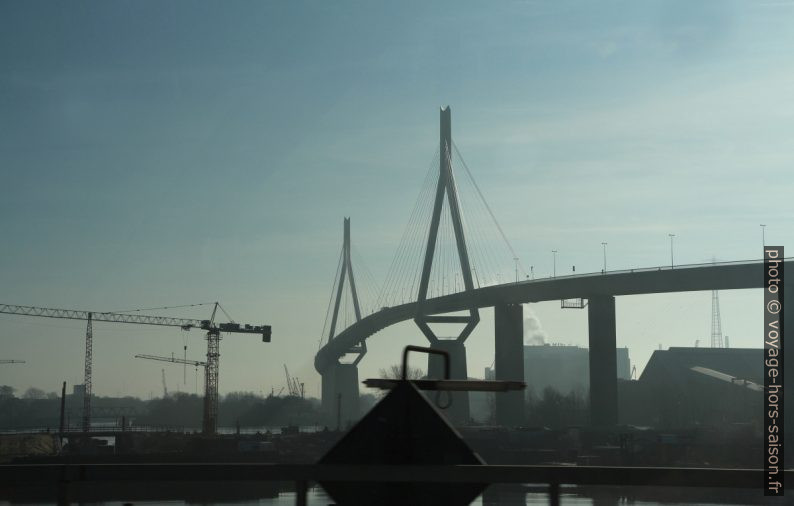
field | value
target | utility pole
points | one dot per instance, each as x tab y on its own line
516	261
554	255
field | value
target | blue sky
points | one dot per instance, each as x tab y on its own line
167	153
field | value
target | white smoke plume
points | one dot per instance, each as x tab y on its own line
534	335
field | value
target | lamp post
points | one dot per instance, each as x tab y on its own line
763	236
554	256
605	255
671	250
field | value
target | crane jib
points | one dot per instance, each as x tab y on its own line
183	323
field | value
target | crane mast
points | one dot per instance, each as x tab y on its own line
89	338
213	341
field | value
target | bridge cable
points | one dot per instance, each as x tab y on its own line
419	242
397	265
369	283
391	278
490	212
479	244
331	298
486	244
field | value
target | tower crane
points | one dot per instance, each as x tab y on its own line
12	361
294	386
213	340
174	360
289	380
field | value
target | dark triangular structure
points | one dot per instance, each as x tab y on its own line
403	429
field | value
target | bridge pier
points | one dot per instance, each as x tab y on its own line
340	394
458	411
603	361
509	362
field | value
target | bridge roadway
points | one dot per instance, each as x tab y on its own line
726	276
599	288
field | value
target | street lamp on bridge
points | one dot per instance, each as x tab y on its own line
763	237
554	256
671	250
605	255
516	261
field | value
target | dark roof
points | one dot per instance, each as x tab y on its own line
675	364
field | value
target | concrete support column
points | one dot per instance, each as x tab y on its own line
458	412
340	400
327	389
509	362
603	361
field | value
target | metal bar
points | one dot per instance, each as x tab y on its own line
423	349
32	474
450	385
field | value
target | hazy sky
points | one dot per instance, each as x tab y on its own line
166	153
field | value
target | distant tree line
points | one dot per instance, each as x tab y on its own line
35	408
555	410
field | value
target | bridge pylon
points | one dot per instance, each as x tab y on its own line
459	411
340	393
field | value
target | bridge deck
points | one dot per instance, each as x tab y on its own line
720	276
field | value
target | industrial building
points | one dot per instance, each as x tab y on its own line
682	387
564	368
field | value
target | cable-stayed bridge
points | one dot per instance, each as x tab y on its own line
438	278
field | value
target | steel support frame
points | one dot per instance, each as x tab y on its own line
89	345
